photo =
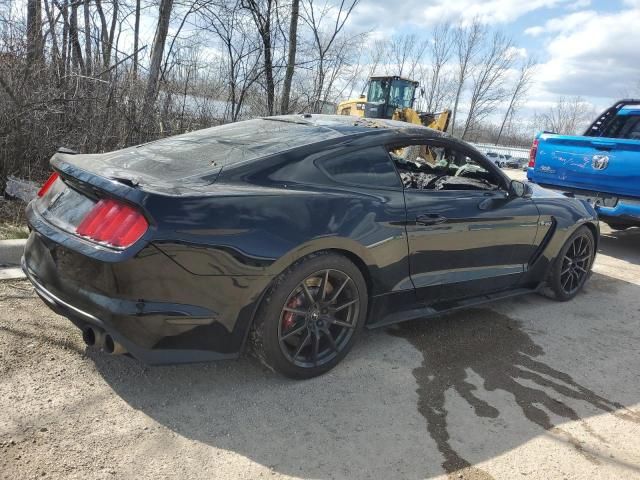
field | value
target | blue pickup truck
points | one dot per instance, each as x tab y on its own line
601	166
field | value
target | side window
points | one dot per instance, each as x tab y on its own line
370	167
441	167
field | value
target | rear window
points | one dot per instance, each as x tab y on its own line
370	167
211	148
625	125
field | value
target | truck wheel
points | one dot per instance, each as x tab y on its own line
311	316
573	265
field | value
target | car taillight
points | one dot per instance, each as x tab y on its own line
47	185
532	153
113	223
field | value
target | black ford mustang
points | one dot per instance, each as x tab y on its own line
291	233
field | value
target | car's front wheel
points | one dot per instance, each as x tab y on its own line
311	316
573	265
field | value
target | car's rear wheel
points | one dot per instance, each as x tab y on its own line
311	316
573	265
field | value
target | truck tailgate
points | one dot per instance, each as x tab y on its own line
593	164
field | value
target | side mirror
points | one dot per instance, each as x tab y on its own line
519	189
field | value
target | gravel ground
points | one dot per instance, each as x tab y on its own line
523	388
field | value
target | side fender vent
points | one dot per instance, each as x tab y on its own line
545	241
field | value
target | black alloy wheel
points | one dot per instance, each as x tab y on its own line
318	318
573	265
311	316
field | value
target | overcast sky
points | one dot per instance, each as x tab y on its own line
589	48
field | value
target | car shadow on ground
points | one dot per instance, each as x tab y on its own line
621	244
478	384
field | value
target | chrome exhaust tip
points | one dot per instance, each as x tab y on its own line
89	336
112	347
93	336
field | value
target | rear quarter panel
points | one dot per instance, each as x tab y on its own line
265	231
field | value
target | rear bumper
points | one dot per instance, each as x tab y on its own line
83	319
159	311
623	212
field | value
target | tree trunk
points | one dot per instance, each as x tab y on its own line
291	60
262	21
35	45
103	33
112	33
87	38
65	39
157	54
74	41
268	70
136	39
55	51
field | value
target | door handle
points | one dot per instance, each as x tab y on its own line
430	219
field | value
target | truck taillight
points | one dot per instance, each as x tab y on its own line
47	185
532	153
113	223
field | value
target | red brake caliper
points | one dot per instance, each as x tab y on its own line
289	318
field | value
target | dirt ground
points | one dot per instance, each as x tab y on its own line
524	388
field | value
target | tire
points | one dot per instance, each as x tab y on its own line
619	226
295	331
576	256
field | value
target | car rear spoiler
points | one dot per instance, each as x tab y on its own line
605	118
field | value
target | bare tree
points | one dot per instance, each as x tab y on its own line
324	40
377	54
87	37
107	32
467	42
157	54
242	51
488	80
440	49
567	117
291	58
262	12
74	39
136	39
405	52
518	92
34	30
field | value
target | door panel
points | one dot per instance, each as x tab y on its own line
483	245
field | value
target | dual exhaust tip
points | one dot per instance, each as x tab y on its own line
96	337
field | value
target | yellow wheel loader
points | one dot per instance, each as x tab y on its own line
393	98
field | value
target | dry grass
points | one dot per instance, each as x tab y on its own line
12	220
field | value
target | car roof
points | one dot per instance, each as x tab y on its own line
351	125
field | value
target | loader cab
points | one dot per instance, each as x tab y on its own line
386	94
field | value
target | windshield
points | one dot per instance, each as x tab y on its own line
402	93
378	90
